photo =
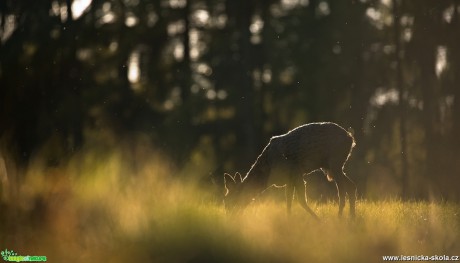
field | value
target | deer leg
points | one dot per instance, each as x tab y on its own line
339	182
289	192
300	191
345	186
351	191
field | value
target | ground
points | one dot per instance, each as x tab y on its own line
92	211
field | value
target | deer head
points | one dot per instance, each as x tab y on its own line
232	194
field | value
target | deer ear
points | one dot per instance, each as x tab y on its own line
229	182
238	177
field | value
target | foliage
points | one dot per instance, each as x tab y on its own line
223	76
89	211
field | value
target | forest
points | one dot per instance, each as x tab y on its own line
225	76
108	96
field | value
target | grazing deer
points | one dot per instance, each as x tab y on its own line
307	148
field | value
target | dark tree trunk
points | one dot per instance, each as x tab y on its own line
425	55
402	103
241	12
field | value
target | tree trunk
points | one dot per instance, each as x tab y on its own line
241	12
425	40
402	103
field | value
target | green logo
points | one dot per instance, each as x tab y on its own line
10	255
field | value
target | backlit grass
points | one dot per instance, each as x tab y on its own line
103	210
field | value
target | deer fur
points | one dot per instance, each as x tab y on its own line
307	148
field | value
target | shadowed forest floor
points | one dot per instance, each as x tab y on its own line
93	212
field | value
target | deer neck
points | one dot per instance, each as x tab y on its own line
256	178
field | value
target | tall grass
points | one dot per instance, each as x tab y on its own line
101	207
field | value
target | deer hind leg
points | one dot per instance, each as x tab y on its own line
300	191
339	182
289	191
344	186
351	191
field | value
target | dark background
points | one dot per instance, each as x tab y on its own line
226	75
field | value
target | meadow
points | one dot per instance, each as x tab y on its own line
99	207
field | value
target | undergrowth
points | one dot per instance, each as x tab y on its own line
103	210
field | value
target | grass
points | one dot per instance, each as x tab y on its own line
104	210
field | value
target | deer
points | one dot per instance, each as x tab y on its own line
324	146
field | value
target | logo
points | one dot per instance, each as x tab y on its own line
10	255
